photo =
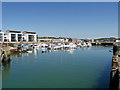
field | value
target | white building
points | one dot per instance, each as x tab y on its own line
66	40
14	35
5	38
29	36
1	36
44	40
53	40
57	40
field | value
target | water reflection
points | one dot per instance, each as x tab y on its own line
71	51
89	48
0	78
58	65
6	70
16	55
49	51
44	51
86	48
37	51
19	57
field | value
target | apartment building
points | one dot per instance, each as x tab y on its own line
29	36
1	36
14	35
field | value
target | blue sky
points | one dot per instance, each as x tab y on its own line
76	20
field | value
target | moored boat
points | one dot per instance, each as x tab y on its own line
14	50
29	51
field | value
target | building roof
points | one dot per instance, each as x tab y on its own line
29	32
13	31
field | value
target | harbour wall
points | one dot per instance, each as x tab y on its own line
115	68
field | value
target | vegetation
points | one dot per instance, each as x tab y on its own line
99	39
107	39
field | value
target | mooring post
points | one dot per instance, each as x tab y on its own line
6	55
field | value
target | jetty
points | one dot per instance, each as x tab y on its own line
115	68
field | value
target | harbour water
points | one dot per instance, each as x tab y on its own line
87	67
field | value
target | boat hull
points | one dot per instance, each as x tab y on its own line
12	50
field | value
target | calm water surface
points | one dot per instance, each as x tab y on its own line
87	67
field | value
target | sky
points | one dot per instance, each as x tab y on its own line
62	19
60	0
0	15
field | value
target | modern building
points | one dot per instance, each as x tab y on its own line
1	36
18	36
14	35
53	40
29	36
5	38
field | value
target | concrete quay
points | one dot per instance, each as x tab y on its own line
115	68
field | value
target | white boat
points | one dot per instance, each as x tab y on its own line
49	47
89	44
57	47
84	45
29	51
66	46
62	45
44	45
79	45
14	49
36	45
72	45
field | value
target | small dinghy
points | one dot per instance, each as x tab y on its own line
29	51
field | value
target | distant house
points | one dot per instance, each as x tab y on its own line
66	40
1	36
44	40
79	40
29	36
57	40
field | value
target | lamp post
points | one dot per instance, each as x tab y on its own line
7	37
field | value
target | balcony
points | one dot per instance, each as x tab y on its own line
19	35
13	35
12	40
